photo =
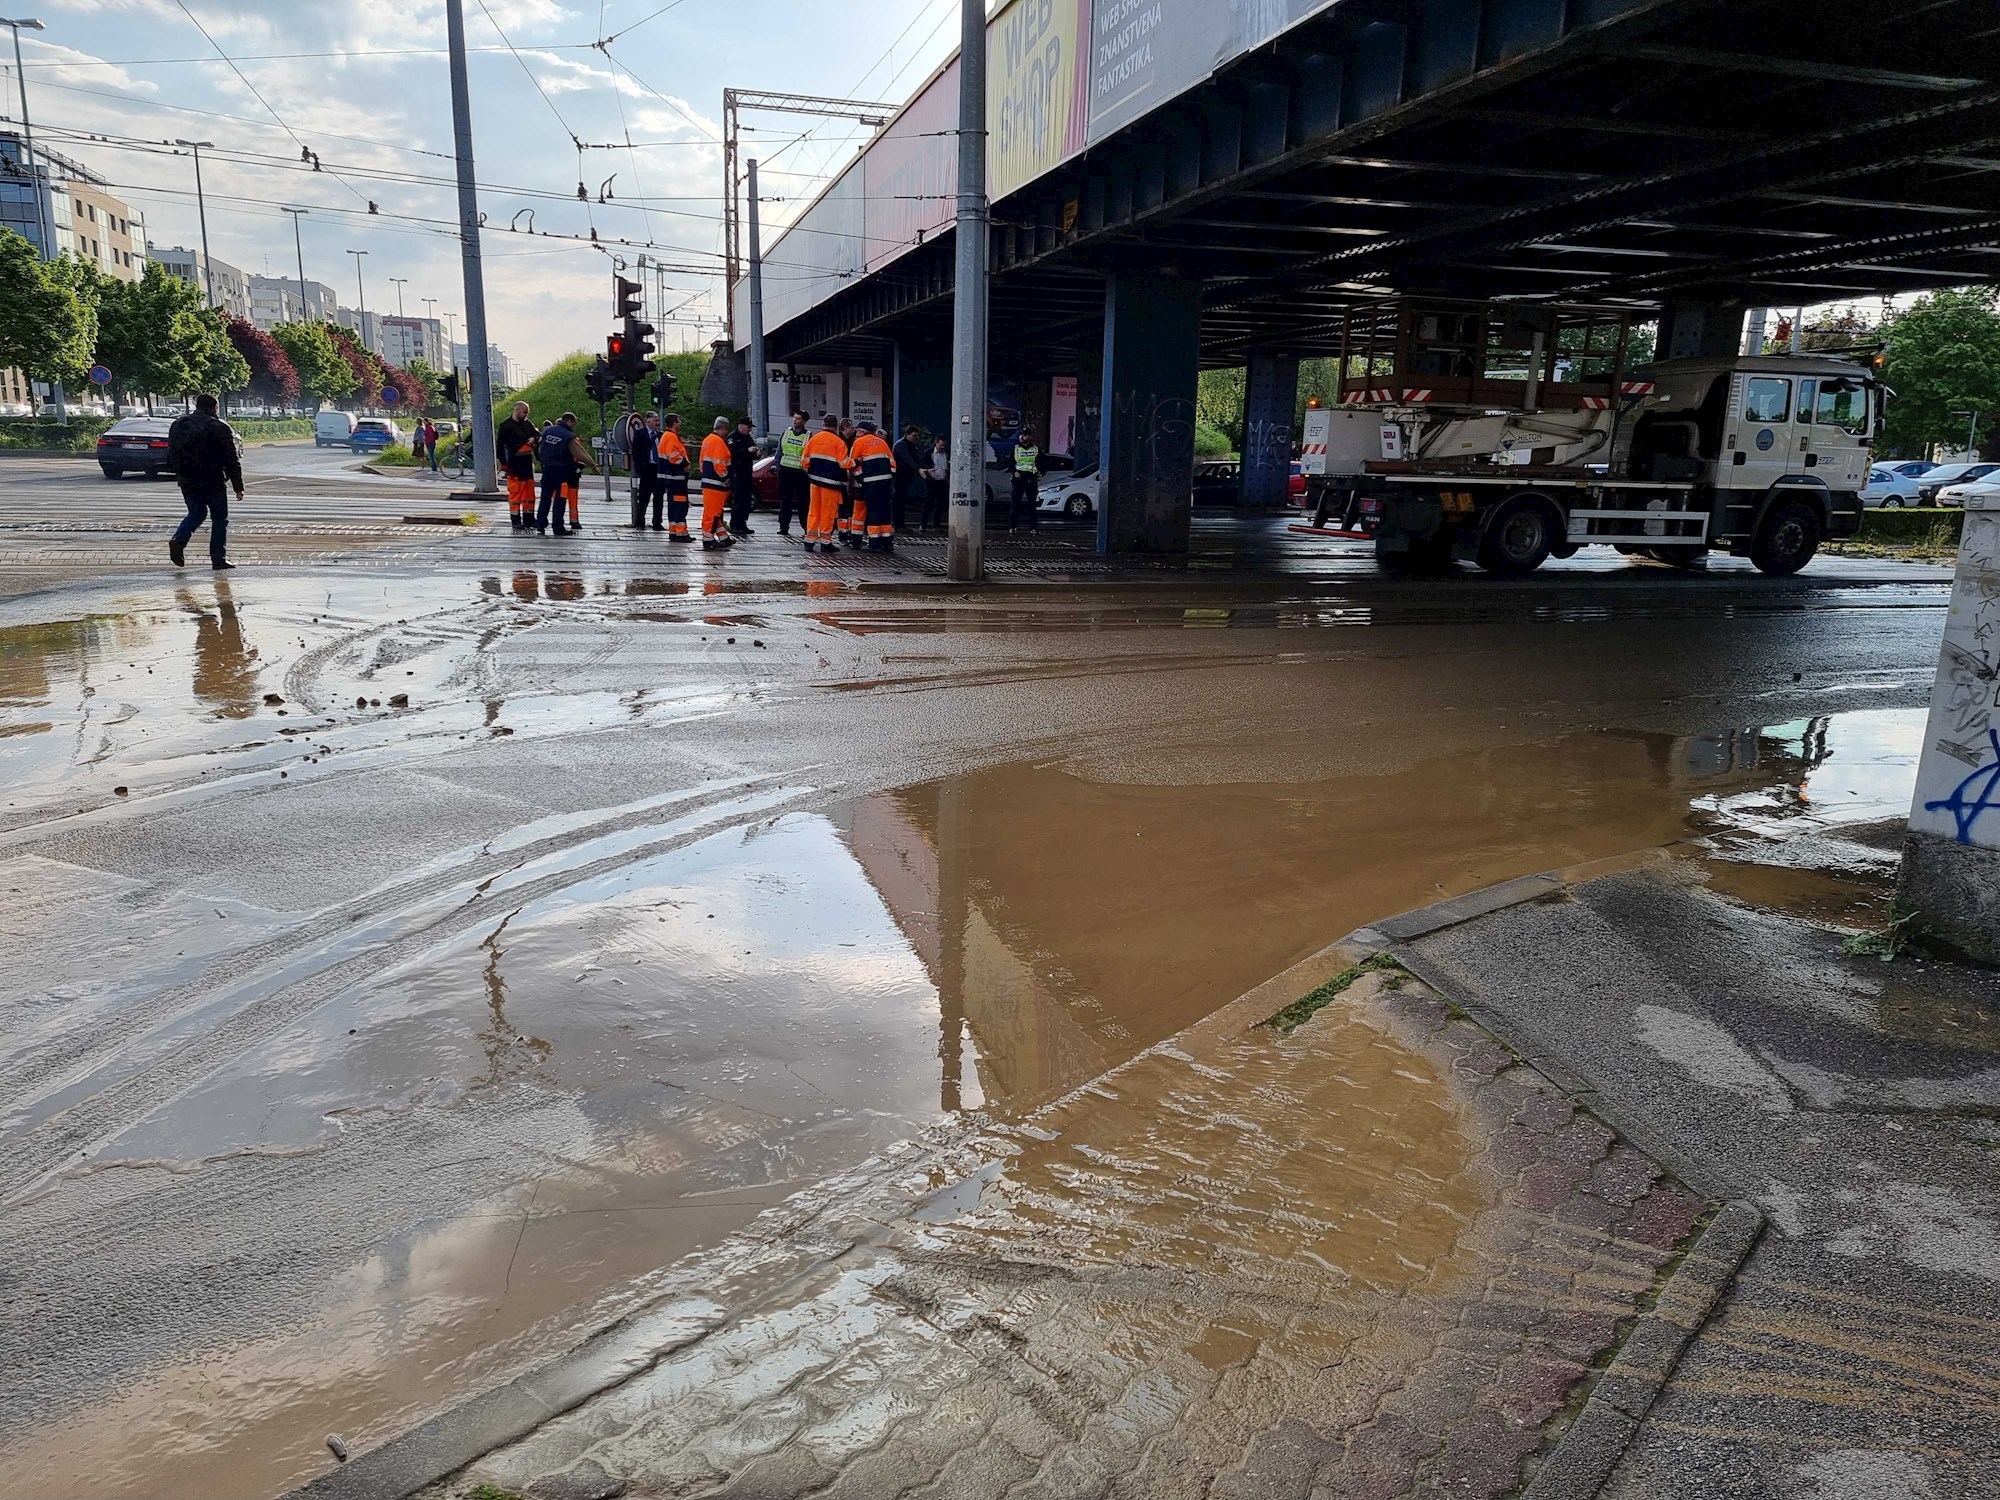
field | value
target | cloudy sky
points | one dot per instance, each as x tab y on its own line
363	84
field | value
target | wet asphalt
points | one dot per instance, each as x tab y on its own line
358	1053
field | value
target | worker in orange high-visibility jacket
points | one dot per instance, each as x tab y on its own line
874	510
715	487
671	459
515	441
827	463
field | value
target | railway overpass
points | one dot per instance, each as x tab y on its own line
1179	183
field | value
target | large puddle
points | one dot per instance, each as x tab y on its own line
510	1128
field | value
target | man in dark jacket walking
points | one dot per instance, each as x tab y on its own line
202	449
913	462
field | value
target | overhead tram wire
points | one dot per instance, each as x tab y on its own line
257	95
634	26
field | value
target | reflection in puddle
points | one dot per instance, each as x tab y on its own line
515	1125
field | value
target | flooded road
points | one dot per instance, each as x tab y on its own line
359	1053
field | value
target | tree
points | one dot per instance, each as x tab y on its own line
1943	356
153	334
272	379
1218	404
211	355
427	381
324	376
361	364
48	312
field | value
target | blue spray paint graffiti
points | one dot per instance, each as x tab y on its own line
1975	796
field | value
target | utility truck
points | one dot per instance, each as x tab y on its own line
1509	438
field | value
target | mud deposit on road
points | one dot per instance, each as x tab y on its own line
343	1115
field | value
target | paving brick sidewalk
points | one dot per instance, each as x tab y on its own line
1372	1258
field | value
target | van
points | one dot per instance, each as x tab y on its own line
333	429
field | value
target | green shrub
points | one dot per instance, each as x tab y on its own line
1933	526
1211	442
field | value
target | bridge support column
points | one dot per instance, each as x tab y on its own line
1152	337
922	390
1699	330
1951	856
1270	392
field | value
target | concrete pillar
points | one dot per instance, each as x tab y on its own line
1951	857
1152	336
922	389
1270	393
1699	330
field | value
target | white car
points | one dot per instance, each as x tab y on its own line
1073	495
1933	484
1958	494
1888	489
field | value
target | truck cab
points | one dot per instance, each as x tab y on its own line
1754	434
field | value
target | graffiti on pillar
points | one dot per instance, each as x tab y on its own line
1267	443
1976	796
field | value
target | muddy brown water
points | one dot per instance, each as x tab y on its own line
668	1043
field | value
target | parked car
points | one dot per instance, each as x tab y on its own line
138	445
1000	474
1933	483
333	429
1913	468
1887	488
1072	494
1217	481
373	434
1958	494
1298	483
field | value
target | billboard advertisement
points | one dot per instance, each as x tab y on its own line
1145	52
910	170
1035	78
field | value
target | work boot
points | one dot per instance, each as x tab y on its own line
658	527
680	537
177	550
560	530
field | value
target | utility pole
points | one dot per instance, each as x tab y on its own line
401	282
484	474
361	296
298	244
17	26
201	208
760	388
1971	434
967	536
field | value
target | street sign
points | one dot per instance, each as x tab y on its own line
99	375
390	395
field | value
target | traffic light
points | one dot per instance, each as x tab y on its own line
597	381
627	298
614	351
448	388
665	389
638	351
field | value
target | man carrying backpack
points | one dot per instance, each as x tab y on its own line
563	459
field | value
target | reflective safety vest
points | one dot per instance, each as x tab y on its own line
872	456
792	449
827	460
672	455
714	462
1027	458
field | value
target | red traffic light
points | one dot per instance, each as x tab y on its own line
614	347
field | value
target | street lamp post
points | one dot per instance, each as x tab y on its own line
1971	434
18	25
299	245
361	296
201	209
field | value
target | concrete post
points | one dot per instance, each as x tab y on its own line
1152	358
1951	857
1270	392
485	469
760	379
966	543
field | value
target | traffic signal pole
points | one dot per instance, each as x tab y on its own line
485	473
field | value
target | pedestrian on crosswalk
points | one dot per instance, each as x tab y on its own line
201	447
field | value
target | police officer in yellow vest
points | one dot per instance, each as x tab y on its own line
1027	479
793	487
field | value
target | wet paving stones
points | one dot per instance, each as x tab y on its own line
1375	1257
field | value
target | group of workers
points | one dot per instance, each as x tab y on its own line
843	483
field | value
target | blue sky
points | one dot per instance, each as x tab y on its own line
363	84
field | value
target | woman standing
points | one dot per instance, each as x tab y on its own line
937	487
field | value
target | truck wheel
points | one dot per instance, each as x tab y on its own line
1788	538
1519	538
1564	550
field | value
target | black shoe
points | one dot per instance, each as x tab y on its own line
177	550
678	537
658	527
541	530
561	530
219	566
745	531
